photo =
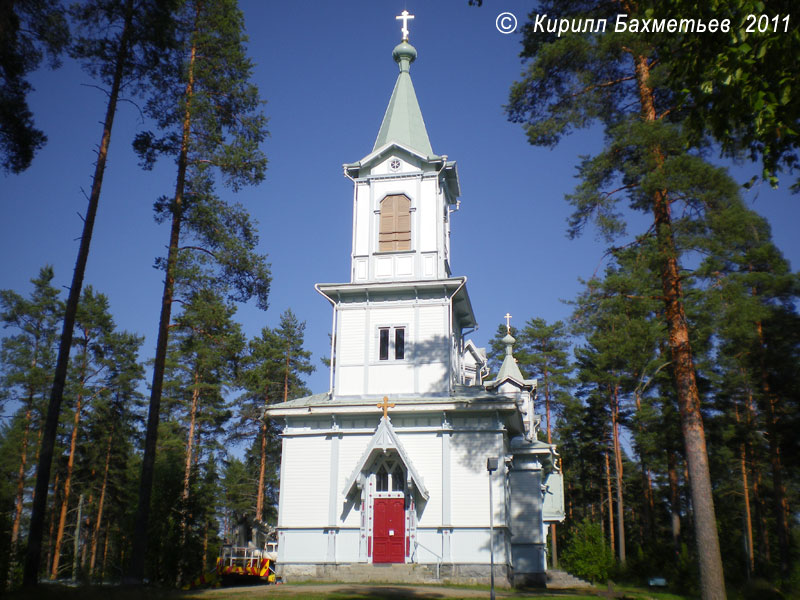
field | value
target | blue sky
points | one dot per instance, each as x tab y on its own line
326	72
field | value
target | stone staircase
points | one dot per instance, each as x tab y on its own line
413	573
558	580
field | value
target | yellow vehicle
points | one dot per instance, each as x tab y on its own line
236	562
251	554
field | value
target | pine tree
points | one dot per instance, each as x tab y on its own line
95	326
261	376
28	30
296	360
111	427
26	361
737	85
120	41
619	315
271	372
204	349
576	80
751	285
545	350
210	117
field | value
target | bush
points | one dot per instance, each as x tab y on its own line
586	554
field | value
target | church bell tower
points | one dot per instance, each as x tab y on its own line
399	322
403	194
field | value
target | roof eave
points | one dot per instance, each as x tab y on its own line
354	169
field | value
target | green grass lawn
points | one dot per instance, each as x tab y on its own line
326	592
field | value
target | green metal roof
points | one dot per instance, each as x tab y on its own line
509	369
403	121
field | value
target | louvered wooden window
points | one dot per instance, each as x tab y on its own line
395	228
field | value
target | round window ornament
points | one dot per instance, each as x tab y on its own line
394	164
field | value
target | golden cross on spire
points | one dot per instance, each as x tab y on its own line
508	323
405	17
385	405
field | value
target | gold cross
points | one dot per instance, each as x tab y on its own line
405	17
508	322
385	406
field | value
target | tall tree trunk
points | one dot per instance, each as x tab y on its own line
205	549
187	472
100	505
52	522
105	555
142	520
712	579
67	483
781	502
76	537
23	461
20	497
88	522
748	521
36	530
648	504
758	500
618	473
262	473
610	498
547	403
286	371
674	501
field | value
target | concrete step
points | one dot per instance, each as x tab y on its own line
471	574
557	579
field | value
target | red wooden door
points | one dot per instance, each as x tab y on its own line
389	530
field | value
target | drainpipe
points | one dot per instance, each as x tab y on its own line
450	328
333	337
353	240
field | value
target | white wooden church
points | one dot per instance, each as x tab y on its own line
388	468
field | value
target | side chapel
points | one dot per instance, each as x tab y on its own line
389	466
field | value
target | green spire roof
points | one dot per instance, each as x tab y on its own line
509	368
403	121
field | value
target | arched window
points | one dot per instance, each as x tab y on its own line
382	479
398	479
390	476
395	226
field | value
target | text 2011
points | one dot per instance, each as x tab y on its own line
765	23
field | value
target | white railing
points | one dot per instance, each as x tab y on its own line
417	545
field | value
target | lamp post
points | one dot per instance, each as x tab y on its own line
491	466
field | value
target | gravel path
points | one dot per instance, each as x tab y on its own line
360	590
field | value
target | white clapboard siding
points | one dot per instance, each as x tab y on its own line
349	380
427	217
362	220
351	448
425	452
468	454
306	480
432	328
352	327
391	378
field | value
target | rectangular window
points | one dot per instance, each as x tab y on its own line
392	342
383	352
399	343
